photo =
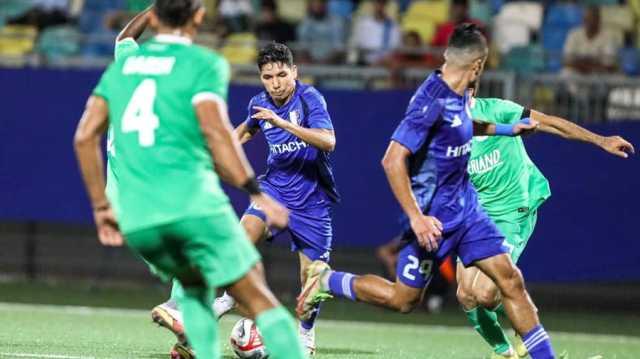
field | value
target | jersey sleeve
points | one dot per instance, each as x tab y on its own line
420	117
103	87
318	116
250	121
212	82
496	110
125	48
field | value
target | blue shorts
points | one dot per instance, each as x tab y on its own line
310	229
475	239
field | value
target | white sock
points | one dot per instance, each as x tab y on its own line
223	304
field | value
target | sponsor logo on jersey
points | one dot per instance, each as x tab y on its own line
456	121
458	151
148	65
292	146
485	163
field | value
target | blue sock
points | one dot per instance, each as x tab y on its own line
538	343
308	324
341	285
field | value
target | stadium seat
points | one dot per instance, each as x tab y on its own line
524	59
618	17
630	61
425	28
341	8
17	40
293	11
560	20
481	10
240	48
436	11
59	43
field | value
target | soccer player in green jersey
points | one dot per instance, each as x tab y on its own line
165	104
511	189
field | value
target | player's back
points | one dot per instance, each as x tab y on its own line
165	171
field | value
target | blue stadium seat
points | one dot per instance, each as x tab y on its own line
630	61
58	43
341	8
559	21
524	59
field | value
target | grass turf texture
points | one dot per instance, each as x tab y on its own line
362	331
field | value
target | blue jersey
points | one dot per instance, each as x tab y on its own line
437	129
299	173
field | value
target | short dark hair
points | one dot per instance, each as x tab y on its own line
275	53
176	13
467	35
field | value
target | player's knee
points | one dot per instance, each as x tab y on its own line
466	298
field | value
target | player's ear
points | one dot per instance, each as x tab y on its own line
294	71
198	17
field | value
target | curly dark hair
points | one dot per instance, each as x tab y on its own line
275	53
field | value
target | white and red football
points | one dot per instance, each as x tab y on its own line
246	341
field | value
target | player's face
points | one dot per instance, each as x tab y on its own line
279	80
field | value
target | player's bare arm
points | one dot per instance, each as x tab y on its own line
615	145
428	229
230	159
136	26
521	128
323	139
89	132
245	133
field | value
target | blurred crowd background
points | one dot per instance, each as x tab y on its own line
569	37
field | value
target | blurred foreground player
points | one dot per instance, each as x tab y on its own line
426	165
166	104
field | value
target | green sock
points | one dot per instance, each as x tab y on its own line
176	291
200	323
279	334
485	322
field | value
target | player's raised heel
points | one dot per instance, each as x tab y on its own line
163	316
312	292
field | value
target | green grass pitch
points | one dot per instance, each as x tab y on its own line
59	332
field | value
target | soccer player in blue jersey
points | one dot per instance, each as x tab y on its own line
298	129
426	165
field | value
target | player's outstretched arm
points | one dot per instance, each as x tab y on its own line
136	26
87	138
426	228
231	161
244	133
323	139
615	145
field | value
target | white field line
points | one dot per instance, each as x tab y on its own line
79	310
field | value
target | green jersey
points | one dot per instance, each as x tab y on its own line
501	171
159	163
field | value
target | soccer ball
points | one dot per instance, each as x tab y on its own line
246	341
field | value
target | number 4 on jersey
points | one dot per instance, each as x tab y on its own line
139	116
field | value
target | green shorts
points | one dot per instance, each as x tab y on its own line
517	230
215	246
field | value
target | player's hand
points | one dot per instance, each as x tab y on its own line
618	146
268	115
523	129
428	231
108	230
277	215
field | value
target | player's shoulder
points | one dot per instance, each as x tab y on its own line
311	95
432	93
261	99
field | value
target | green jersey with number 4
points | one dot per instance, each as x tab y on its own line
506	179
159	161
